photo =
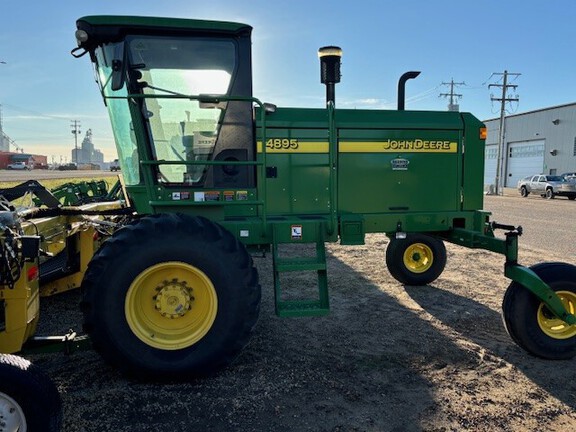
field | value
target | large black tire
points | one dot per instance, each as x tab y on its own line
531	325
171	296
416	260
29	401
549	194
524	191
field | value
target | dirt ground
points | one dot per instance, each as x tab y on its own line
388	358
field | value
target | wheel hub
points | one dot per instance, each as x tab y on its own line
161	309
174	298
418	258
554	326
12	417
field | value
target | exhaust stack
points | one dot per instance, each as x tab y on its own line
330	70
402	87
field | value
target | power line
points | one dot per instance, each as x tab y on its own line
35	113
423	95
489	78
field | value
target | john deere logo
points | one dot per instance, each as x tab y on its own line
399	164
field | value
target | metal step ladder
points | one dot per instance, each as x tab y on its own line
302	235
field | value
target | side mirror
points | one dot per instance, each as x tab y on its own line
118	68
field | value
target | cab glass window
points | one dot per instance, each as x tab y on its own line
182	129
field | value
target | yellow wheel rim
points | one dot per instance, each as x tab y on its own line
171	305
553	326
418	258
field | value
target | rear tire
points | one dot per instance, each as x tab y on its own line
549	194
29	401
531	325
416	260
171	296
524	192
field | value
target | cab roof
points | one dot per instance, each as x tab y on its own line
163	23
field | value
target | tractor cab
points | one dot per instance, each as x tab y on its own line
168	85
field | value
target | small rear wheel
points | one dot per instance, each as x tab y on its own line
29	401
550	194
171	297
524	192
416	260
531	324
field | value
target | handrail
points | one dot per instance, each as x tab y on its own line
215	98
204	203
333	179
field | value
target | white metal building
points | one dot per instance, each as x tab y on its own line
535	142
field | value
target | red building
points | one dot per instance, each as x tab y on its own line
33	161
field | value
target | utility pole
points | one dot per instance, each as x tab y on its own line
453	96
2	134
2	139
75	125
498	181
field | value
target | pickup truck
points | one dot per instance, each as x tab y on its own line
548	186
114	165
18	166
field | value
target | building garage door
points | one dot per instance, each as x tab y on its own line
490	158
524	158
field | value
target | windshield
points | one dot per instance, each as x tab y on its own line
168	70
555	178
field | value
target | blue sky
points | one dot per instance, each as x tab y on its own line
42	87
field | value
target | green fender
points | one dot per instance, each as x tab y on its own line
530	280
